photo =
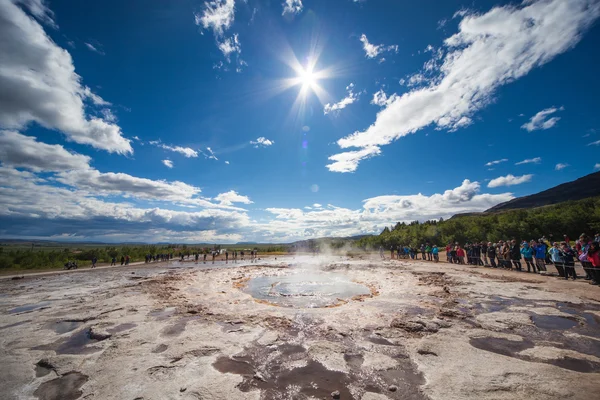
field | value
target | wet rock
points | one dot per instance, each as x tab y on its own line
336	394
408	326
99	336
64	388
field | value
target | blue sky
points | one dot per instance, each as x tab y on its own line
254	120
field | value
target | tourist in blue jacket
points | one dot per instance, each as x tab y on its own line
540	255
527	252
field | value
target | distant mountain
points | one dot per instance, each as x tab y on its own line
582	188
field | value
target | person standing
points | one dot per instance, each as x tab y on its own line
460	254
491	253
484	250
515	253
435	253
527	253
113	261
568	256
540	255
226	256
94	261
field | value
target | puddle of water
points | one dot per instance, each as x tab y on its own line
289	349
354	360
160	348
61	327
121	328
380	340
67	387
75	344
238	366
510	348
43	368
501	346
305	290
29	307
164	314
553	322
177	328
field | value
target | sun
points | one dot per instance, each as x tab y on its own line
307	78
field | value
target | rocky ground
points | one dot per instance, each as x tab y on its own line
186	331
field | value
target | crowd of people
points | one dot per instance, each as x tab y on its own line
516	255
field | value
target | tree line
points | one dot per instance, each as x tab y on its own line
569	218
17	257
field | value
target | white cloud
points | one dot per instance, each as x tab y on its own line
378	212
292	7
560	166
229	46
38	83
228	198
262	142
373	50
490	50
350	98
348	160
210	154
540	121
227	162
496	162
95	49
38	9
17	150
509	180
34	208
186	151
535	160
380	98
597	166
596	143
168	163
218	15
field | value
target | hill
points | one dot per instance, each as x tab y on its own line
582	188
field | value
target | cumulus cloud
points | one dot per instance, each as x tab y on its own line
378	212
262	142
535	160
168	163
489	50
17	150
350	98
348	160
509	180
292	7
34	207
380	98
38	83
231	197
373	50
540	121
217	15
495	162
560	166
229	46
597	166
